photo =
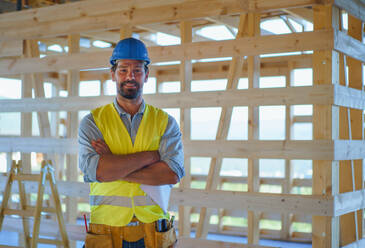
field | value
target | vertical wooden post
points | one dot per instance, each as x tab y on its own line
185	124
325	231
355	72
125	31
234	73
73	82
26	118
253	65
286	218
26	121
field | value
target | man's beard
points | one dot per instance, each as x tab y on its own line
129	93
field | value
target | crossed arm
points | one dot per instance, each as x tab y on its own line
142	167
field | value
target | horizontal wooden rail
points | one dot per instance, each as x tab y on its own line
11	48
293	149
322	94
349	202
317	40
193	243
97	15
280	203
229	98
350	46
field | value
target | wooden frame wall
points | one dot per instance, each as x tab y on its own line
332	204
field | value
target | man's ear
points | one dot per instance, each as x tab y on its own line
113	75
146	76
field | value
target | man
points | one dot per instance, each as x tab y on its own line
123	145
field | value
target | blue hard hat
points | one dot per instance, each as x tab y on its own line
130	48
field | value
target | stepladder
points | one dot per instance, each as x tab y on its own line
33	213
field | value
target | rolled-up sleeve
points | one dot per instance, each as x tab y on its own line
171	148
88	158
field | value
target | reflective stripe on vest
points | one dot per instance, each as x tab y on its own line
121	201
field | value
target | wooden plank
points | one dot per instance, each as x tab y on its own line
351	177
36	144
222	133
27	177
11	48
247	46
192	243
78	189
228	98
353	7
104	15
279	203
73	82
350	46
185	72
349	202
302	119
253	184
349	149
349	97
319	149
300	149
325	230
356	244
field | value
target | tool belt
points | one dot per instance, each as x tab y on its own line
104	236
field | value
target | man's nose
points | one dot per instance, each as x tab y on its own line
130	74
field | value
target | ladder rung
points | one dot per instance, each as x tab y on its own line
7	246
27	177
50	241
23	213
44	209
29	212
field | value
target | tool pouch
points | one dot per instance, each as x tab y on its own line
94	240
165	239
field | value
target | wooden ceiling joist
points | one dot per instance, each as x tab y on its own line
100	15
197	50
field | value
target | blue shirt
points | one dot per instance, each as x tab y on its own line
171	149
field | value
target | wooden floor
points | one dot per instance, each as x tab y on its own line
11	238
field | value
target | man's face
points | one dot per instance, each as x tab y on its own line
130	76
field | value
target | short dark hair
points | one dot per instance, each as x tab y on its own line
114	67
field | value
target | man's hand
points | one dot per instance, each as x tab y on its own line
100	147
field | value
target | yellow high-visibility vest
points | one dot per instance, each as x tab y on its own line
115	203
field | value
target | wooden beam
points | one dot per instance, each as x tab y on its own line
279	203
222	133
353	7
300	149
337	205
229	98
301	13
103	15
350	46
349	202
36	144
349	97
11	48
185	73
351	172
247	46
356	244
193	243
325	230
71	172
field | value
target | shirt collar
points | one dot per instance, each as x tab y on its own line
121	111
